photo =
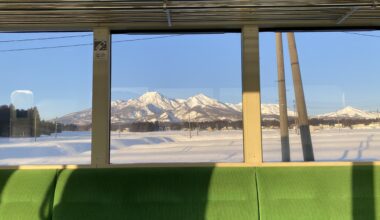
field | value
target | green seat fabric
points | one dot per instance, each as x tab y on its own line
156	194
322	193
26	194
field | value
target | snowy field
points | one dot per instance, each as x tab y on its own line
329	145
176	146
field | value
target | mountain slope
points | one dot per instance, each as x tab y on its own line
79	118
153	106
349	112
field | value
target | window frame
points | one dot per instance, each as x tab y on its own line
250	101
252	134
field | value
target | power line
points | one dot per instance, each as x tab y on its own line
86	44
361	34
44	38
45	48
148	38
87	35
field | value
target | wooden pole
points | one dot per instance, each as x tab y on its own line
303	120
284	127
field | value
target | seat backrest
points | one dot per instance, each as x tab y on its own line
26	194
293	193
156	193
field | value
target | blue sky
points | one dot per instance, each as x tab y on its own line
333	65
60	79
178	66
338	69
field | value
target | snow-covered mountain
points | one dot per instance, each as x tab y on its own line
349	112
153	106
273	110
79	118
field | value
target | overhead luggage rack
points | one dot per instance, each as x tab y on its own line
166	14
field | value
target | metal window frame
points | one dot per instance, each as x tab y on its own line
101	100
251	106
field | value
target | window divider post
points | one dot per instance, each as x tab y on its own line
251	95
101	98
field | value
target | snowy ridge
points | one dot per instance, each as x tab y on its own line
79	118
349	112
153	106
274	110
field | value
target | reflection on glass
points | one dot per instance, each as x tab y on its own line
176	99
42	97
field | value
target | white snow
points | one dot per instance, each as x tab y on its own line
67	148
153	106
328	144
176	146
273	109
237	107
156	99
350	112
204	101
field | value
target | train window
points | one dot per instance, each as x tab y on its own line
325	97
45	94
176	98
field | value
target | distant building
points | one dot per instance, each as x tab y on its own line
19	122
4	121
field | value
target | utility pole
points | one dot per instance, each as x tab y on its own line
284	127
197	129
56	128
119	130
338	123
303	120
189	127
295	117
10	123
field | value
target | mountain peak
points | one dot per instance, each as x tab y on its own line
201	96
157	100
201	100
151	95
349	112
350	109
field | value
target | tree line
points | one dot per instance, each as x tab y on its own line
345	122
175	126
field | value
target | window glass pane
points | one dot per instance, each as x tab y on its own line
340	75
45	98
176	98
